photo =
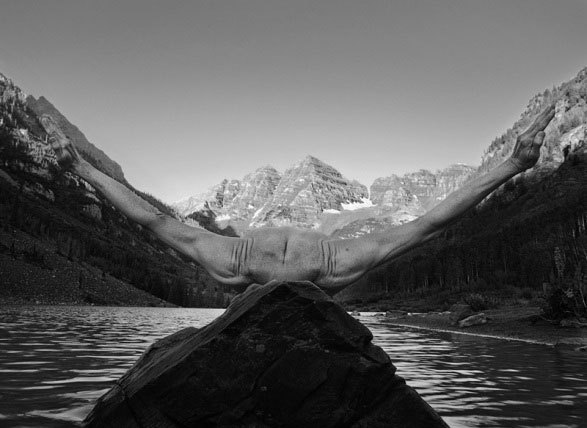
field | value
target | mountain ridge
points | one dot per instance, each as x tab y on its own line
310	192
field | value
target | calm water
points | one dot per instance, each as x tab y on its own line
55	361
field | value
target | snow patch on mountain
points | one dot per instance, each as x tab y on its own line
351	206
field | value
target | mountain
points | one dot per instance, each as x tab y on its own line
62	242
249	195
404	198
306	190
237	199
266	198
313	194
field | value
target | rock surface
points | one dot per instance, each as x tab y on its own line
460	311
476	319
282	355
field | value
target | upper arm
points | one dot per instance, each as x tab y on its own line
396	241
213	252
346	260
174	233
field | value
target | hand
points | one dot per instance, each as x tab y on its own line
66	153
527	149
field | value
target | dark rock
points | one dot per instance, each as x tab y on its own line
282	355
460	311
476	319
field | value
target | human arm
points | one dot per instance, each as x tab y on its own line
208	249
525	154
354	257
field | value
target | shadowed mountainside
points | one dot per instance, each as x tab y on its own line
61	242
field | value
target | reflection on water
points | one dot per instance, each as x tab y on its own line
56	361
482	382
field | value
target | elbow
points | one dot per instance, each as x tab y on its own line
434	234
154	222
430	229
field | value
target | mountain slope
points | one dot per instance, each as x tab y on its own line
61	242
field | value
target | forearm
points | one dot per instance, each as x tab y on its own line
473	192
124	199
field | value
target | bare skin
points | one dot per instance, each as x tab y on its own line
290	254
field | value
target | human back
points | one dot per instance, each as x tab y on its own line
284	253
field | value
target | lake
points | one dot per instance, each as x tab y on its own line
56	361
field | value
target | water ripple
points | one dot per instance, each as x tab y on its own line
56	361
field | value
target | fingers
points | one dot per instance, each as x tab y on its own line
539	139
48	123
57	139
51	127
542	121
55	144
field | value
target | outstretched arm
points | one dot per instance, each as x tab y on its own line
212	251
525	155
354	257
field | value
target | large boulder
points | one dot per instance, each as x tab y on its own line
460	311
282	355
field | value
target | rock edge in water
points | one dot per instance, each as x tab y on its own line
282	355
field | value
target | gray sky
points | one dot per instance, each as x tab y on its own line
183	94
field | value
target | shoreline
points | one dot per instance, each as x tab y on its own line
474	334
522	324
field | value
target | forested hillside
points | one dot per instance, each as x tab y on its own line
61	242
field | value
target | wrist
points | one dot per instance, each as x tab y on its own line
514	166
81	168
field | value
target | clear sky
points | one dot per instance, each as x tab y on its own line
185	93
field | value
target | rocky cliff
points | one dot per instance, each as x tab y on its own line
266	198
313	194
422	189
306	190
235	199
